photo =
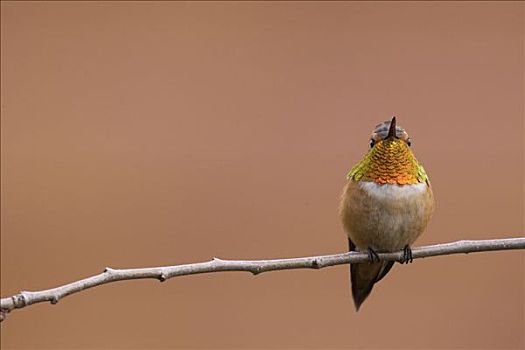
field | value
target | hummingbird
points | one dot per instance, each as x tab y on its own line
385	206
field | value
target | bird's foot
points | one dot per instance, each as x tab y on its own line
372	256
407	255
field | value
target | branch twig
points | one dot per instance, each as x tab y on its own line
109	275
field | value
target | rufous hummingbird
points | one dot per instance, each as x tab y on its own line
385	205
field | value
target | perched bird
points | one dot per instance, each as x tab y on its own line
385	205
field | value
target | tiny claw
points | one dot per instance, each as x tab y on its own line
407	255
372	256
315	264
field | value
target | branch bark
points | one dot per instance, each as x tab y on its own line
26	298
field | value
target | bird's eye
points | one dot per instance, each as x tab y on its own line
372	143
409	142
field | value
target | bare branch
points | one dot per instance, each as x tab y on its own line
109	275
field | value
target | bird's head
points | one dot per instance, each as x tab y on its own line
390	159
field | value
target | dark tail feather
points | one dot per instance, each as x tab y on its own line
364	276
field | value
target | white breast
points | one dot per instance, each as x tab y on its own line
389	192
385	217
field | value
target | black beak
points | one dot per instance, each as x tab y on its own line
392	130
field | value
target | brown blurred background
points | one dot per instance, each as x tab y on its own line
146	134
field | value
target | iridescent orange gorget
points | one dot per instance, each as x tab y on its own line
389	161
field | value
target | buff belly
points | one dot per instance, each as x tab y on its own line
385	217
